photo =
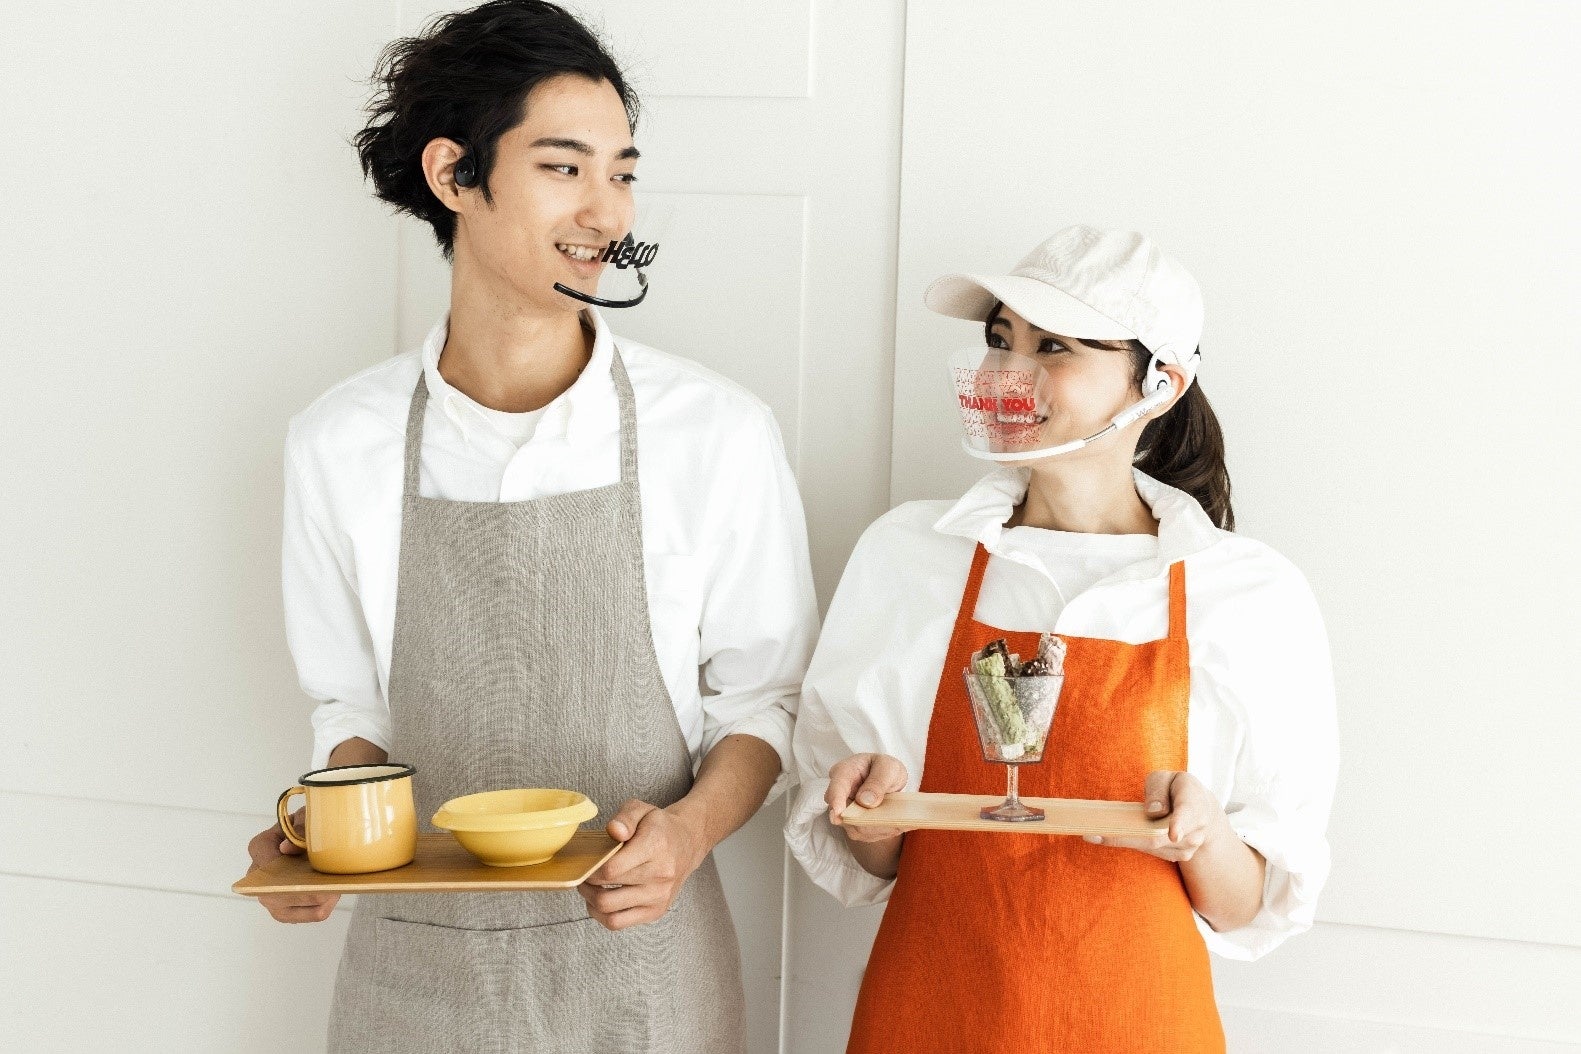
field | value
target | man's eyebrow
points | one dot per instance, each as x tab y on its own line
553	143
631	153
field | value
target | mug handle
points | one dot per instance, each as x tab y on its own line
285	818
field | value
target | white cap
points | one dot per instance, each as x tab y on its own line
1087	283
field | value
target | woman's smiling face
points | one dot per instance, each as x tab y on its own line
1080	386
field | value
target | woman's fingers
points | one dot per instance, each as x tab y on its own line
1190	808
874	834
844	778
864	779
884	776
1158	793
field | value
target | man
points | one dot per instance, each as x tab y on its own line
487	576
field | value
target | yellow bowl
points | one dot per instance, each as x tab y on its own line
513	828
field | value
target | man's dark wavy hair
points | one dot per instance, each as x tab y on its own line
466	77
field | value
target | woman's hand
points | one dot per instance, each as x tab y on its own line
1222	874
1195	816
865	779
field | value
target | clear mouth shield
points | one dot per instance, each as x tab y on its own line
625	264
1002	412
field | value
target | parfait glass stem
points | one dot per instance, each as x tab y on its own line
1012	798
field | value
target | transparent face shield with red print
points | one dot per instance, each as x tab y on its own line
617	273
1000	396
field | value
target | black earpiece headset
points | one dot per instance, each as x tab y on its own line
466	170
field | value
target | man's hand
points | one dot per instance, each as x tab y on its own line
1194	814
269	846
638	884
865	779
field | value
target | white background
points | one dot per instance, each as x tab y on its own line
1378	198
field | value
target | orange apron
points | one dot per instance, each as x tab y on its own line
1006	943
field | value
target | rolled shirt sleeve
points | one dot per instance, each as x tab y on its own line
818	847
863	693
759	618
1279	680
325	627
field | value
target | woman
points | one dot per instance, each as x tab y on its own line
1196	679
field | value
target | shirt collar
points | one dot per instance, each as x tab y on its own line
980	515
584	410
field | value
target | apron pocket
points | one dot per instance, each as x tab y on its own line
596	991
567	987
433	988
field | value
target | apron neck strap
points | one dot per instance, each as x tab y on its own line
628	426
974	583
1177	593
1177	600
414	436
628	417
961	637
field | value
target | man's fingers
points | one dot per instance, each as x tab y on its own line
659	867
297	900
622	920
639	849
299	907
609	901
623	825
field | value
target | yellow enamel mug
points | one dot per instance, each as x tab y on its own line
360	818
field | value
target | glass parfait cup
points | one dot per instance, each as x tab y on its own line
1013	716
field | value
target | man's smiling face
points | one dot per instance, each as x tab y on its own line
561	188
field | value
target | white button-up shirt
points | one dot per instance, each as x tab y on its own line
1261	732
724	544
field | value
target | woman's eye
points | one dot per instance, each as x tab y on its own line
996	341
1048	347
627	178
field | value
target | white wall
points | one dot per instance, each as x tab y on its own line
1373	193
188	258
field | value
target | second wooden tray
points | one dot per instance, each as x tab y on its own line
959	812
441	866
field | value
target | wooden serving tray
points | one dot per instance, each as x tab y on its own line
959	812
440	866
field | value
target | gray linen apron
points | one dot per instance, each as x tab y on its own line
523	657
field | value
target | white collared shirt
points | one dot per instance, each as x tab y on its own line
730	592
1261	733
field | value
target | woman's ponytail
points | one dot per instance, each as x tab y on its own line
1185	449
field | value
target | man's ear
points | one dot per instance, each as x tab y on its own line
439	169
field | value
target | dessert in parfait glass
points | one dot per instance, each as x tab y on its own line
1013	704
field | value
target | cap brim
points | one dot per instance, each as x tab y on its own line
972	296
